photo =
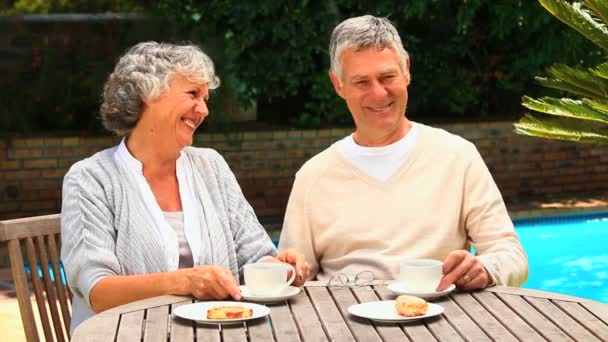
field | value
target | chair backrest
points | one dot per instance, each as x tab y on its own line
38	238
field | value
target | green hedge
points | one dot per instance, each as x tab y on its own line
471	60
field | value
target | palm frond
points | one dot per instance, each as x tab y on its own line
555	129
576	81
597	105
601	70
600	7
565	107
579	18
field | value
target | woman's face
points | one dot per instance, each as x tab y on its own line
173	117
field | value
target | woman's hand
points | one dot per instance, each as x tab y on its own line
211	282
298	262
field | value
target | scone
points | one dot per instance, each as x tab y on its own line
411	306
229	312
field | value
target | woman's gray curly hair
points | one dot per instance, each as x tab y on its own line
143	73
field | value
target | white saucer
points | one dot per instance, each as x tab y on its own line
289	292
198	312
385	311
399	289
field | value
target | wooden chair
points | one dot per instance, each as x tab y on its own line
39	238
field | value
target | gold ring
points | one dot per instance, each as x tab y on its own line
466	278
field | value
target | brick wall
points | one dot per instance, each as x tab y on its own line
31	170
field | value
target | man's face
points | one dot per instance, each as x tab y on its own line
375	90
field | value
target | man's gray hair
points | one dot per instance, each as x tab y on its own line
360	33
143	73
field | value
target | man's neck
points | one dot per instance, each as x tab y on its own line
369	139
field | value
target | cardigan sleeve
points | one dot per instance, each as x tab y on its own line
489	228
250	239
88	237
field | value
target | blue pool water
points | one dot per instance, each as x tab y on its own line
567	254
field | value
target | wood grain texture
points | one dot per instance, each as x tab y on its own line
329	315
156	328
534	318
362	329
593	324
507	317
306	318
483	318
387	331
131	326
554	314
180	329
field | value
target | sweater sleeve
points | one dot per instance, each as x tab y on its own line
297	229
489	228
88	237
250	238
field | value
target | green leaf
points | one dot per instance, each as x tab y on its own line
579	18
562	130
565	107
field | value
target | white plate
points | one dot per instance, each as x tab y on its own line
287	293
398	289
198	312
385	311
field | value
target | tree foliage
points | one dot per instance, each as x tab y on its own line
469	58
583	117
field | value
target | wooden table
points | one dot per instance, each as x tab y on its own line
319	313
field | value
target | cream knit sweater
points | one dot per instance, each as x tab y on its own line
442	199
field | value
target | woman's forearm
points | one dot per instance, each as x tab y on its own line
117	290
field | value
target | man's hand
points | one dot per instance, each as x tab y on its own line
465	270
296	260
212	282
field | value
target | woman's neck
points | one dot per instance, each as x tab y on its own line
157	161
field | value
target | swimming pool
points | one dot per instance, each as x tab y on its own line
567	254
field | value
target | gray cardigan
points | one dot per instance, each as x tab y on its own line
105	228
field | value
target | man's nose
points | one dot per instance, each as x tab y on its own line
378	90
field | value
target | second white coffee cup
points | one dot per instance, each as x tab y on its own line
268	279
420	275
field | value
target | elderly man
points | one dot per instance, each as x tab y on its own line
394	188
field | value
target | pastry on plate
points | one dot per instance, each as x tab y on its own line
411	306
229	312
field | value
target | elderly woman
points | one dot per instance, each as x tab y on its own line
153	216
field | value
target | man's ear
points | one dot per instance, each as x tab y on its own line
336	82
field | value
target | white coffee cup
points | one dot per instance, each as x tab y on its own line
420	275
267	278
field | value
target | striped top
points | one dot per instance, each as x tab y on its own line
107	230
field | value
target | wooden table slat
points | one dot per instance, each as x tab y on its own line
100	329
157	324
600	310
361	328
417	331
528	313
284	327
388	331
131	326
507	317
306	318
181	329
561	319
207	333
462	323
234	332
329	314
482	317
588	320
260	330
